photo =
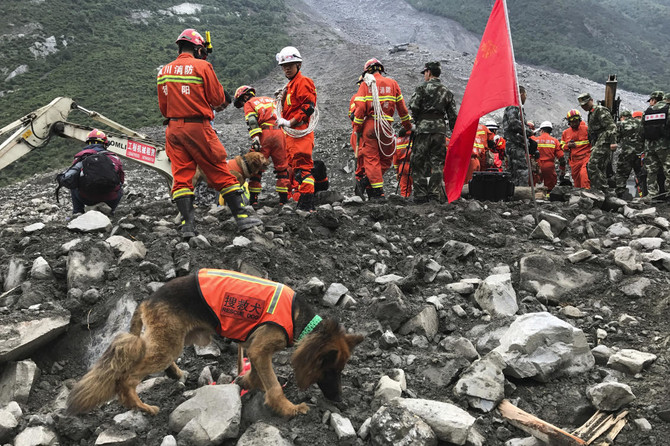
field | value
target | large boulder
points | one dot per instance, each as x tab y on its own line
542	346
550	276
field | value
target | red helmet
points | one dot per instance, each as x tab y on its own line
573	114
373	63
240	92
191	35
637	114
96	136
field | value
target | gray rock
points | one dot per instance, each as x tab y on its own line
35	227
387	389
132	420
542	231
458	250
483	383
458	347
646	243
41	270
91	221
346	434
550	277
658	258
462	288
496	295
542	347
36	436
630	361
116	437
636	288
20	339
618	230
334	293
16	274
390	309
558	223
127	249
643	424
579	256
626	259
263	434
610	396
450	423
425	323
646	231
8	425
209	417
17	380
169	440
393	425
88	266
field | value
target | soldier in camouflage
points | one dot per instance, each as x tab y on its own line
630	140
513	131
429	105
602	135
657	148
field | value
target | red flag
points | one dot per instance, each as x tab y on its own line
492	85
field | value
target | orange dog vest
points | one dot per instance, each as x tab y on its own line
243	303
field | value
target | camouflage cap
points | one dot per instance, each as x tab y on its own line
584	98
666	97
626	114
432	66
658	95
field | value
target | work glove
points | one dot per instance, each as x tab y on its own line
402	132
256	144
281	122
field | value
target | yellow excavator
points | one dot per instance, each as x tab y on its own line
34	130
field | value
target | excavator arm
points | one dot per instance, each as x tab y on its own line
34	130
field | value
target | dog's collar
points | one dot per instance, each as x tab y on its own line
242	163
311	326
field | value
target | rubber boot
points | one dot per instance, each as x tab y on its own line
244	215
306	202
185	206
360	187
376	194
283	198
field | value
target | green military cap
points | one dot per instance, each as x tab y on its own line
433	66
626	114
584	98
658	95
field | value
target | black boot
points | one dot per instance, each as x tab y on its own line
306	202
360	187
283	198
185	206
253	198
244	215
376	194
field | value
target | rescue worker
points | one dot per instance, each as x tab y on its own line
656	125
298	104
375	139
630	138
575	142
361	182
96	142
480	148
401	162
431	103
602	135
514	120
550	151
260	113
496	155
188	94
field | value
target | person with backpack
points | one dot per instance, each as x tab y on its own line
95	176
656	126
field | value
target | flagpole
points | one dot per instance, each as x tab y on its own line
523	118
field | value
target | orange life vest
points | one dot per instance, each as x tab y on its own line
243	303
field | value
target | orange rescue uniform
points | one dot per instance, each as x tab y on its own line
242	303
360	172
550	150
188	91
479	149
579	156
402	165
298	102
377	156
273	142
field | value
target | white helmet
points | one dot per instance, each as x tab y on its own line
546	125
288	54
491	125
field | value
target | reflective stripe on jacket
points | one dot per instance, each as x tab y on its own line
262	108
243	303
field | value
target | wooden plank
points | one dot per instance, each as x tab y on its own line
609	440
595	420
536	427
611	421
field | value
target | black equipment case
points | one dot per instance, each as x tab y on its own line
491	186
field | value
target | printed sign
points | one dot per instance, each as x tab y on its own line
141	152
242	307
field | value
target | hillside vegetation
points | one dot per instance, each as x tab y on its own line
590	38
105	55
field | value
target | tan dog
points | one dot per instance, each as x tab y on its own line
177	315
242	166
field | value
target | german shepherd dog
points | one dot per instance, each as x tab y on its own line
176	316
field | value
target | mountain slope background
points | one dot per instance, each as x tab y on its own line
590	38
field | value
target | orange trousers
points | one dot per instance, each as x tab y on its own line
580	176
299	153
375	163
473	167
273	146
549	176
193	144
405	179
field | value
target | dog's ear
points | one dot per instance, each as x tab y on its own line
354	340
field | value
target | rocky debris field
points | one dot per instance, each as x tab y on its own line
462	305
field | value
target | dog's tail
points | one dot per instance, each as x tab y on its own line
100	383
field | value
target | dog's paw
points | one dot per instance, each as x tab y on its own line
301	408
151	410
291	410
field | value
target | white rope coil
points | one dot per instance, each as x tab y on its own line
295	133
382	126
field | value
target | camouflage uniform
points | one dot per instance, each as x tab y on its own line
657	156
513	123
602	133
429	105
631	143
